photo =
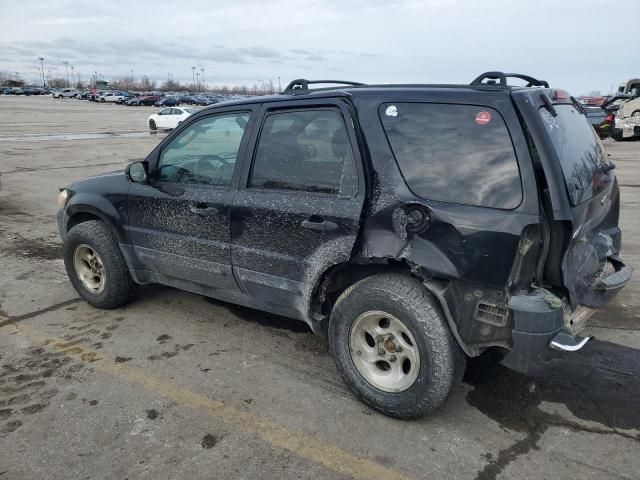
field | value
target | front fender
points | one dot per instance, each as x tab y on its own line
113	214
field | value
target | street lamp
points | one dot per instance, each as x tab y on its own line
73	78
193	71
66	69
202	70
42	70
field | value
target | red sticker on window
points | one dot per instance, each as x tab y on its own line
482	118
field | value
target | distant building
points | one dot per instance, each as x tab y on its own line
102	84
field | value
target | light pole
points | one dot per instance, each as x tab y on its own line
66	70
95	78
202	77
42	70
73	78
193	71
198	81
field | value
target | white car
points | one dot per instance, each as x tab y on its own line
169	117
66	93
110	97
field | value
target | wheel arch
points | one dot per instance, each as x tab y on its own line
80	210
337	278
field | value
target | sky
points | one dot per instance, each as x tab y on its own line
579	45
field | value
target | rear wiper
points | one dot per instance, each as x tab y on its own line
548	105
577	105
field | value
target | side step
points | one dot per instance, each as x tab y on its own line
566	343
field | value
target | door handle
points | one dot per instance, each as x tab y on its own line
204	211
319	226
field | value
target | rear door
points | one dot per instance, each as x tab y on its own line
298	208
179	220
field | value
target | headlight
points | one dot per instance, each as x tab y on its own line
63	196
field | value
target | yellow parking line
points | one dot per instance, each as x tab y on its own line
325	454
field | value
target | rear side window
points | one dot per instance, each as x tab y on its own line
454	153
581	154
306	151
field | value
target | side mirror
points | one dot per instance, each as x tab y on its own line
137	172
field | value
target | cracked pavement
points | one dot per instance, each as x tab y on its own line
176	385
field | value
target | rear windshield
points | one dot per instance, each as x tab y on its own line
454	153
581	154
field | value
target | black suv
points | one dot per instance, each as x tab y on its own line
414	225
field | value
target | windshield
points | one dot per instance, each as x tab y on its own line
581	154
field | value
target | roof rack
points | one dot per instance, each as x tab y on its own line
491	78
301	85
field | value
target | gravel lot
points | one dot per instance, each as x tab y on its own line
179	386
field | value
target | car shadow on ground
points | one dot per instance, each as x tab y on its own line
600	383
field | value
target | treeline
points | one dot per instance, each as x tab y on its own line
170	85
144	84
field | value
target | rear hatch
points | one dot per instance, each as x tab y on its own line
584	237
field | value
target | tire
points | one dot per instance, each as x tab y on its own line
152	125
636	113
441	362
118	284
102	100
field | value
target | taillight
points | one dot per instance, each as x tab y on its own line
609	118
560	95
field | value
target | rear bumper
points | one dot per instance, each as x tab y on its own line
543	325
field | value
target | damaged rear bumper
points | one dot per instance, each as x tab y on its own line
543	324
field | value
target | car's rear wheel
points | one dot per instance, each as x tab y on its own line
102	100
152	125
393	346
636	113
95	265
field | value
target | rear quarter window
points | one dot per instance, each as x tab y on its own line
454	153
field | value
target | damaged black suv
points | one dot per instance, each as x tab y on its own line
413	225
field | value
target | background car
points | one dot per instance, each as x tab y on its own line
169	117
111	97
65	93
168	102
187	99
148	100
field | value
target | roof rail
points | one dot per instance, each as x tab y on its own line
491	77
301	85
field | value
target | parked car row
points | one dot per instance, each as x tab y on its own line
159	99
24	91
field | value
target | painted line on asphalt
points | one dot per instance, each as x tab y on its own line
318	451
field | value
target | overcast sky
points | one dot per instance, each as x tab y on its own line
581	45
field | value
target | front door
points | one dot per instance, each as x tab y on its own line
179	220
298	209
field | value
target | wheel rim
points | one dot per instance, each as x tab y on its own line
384	351
636	114
89	269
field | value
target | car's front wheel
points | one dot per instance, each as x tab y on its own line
152	125
393	346
95	265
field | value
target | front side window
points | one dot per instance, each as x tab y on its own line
454	153
305	151
205	152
